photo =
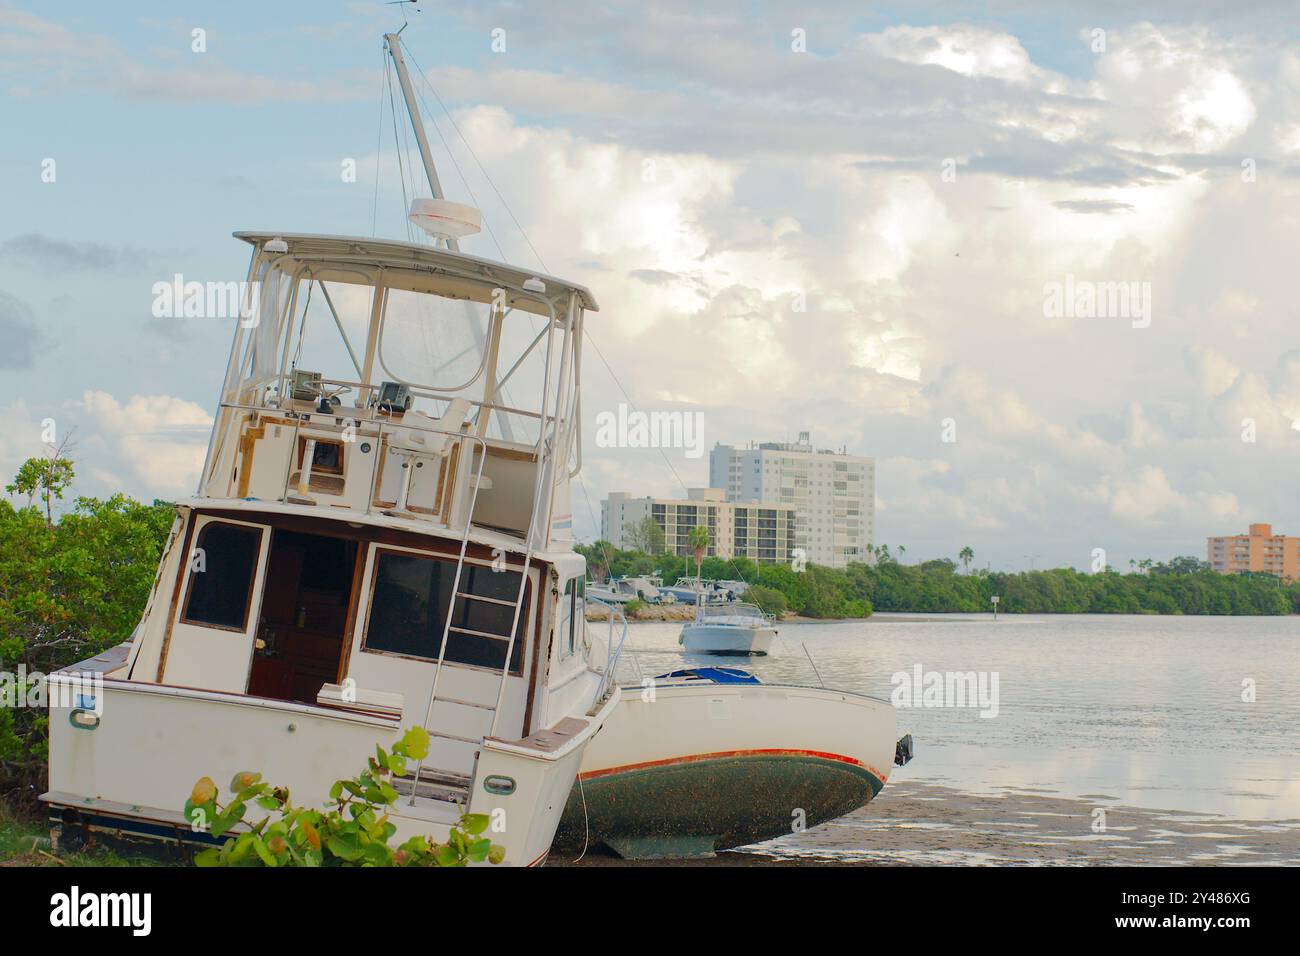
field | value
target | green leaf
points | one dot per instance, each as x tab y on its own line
208	857
475	823
263	853
345	847
415	742
478	850
446	856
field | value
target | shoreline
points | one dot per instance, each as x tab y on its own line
914	823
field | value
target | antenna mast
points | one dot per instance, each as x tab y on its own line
393	42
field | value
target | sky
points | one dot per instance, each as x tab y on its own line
851	221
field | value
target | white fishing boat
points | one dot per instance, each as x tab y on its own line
709	758
380	538
693	591
623	590
731	628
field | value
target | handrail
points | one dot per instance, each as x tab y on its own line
611	654
381	425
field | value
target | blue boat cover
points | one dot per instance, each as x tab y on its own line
714	675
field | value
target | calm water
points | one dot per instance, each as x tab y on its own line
1146	710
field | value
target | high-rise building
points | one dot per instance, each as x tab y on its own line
1257	550
761	532
833	493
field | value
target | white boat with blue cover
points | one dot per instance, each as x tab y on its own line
732	628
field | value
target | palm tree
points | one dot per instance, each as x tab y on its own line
698	541
967	555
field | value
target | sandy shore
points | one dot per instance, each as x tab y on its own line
917	824
649	612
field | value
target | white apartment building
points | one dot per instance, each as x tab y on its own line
761	532
833	493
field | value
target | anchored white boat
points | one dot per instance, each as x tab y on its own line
732	628
709	758
377	541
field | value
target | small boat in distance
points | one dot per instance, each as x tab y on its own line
692	590
623	590
731	628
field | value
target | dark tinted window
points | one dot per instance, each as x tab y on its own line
409	609
221	582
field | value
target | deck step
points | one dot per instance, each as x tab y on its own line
445	785
487	634
464	703
485	600
447	736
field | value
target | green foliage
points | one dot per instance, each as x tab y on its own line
46	477
68	591
770	600
698	540
633	607
355	831
646	535
1182	585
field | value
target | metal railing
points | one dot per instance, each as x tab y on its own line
612	653
382	427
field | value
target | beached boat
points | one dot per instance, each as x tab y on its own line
379	539
625	589
706	759
730	628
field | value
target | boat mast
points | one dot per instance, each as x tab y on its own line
394	43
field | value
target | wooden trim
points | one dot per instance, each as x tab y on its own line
535	675
247	446
252	580
191	521
447	482
321	469
350	618
376	500
338	527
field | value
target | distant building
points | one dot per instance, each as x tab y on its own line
1257	550
833	493
761	532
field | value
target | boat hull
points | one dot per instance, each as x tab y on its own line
724	639
693	769
150	743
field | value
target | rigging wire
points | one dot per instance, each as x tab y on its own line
542	262
379	143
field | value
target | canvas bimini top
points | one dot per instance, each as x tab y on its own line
468	277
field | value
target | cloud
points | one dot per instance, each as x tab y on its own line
158	441
18	333
63	255
1104	207
42	56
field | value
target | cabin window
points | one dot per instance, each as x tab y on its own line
221	579
408	611
573	605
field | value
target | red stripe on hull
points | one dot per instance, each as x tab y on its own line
722	754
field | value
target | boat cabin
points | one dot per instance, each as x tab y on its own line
387	531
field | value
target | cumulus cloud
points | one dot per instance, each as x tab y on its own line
154	443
